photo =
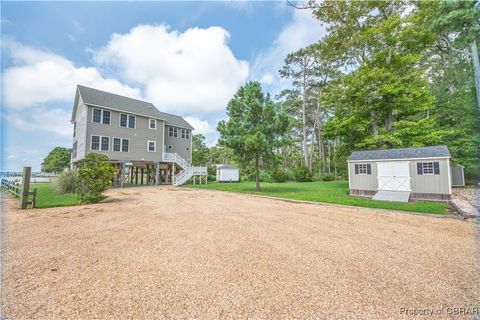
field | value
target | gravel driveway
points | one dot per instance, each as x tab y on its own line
178	253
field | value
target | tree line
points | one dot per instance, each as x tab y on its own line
388	74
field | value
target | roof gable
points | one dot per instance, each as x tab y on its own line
109	100
406	153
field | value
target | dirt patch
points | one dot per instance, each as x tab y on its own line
173	253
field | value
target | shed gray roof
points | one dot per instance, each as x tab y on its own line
226	166
105	99
407	153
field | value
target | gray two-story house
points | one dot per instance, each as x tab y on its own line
147	146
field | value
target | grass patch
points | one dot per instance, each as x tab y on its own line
335	192
48	198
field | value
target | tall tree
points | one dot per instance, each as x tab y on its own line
57	160
383	94
457	27
299	66
254	128
200	151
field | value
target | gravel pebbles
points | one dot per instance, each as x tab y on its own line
175	253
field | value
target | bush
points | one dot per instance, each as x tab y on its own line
328	177
95	176
279	175
67	182
302	174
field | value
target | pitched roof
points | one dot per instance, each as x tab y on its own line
105	99
407	153
225	166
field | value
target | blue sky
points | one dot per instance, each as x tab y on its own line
187	58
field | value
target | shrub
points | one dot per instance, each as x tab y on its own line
95	176
328	177
67	182
302	174
279	175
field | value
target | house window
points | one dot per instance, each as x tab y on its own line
428	168
175	132
125	143
151	146
170	131
123	120
117	142
95	143
74	150
127	120
106	117
101	116
185	134
363	168
131	121
152	124
105	143
97	116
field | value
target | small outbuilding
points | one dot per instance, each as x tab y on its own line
401	174
227	173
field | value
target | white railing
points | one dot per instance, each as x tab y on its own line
187	170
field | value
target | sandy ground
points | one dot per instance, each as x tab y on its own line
177	253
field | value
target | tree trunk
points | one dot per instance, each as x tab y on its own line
389	121
374	123
304	130
257	175
476	69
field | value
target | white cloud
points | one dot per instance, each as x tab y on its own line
55	121
38	77
190	72
302	31
201	126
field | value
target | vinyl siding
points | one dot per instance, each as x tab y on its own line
421	184
363	181
137	136
183	147
437	184
80	130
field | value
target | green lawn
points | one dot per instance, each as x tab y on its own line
328	192
48	198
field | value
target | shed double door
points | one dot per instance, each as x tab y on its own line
394	176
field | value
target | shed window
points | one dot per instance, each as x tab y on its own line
363	168
428	168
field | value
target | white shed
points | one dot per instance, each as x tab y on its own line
228	173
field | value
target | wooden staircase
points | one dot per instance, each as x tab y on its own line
188	171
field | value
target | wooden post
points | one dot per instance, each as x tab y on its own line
27	172
136	175
131	174
122	175
157	174
141	177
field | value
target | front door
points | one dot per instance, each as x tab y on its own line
394	176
